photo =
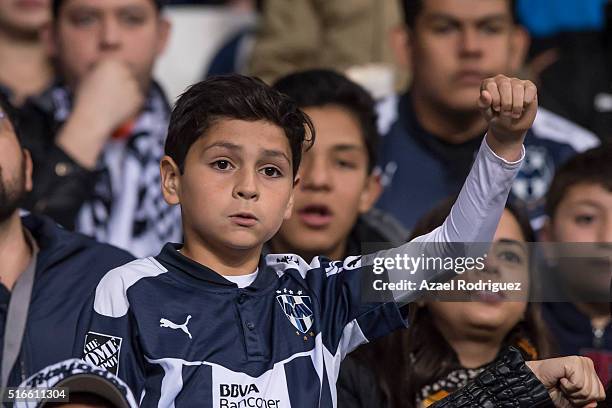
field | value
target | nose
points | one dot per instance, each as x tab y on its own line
110	36
316	174
246	185
470	42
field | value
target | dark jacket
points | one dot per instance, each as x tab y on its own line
572	330
61	185
69	267
420	169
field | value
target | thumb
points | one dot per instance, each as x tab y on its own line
484	104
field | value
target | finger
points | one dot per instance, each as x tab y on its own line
518	98
505	90
491	87
484	103
531	93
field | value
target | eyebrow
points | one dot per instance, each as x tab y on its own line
237	148
512	242
478	20
346	147
586	201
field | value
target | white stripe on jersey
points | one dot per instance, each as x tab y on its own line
111	293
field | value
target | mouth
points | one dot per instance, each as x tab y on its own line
316	215
470	77
488	297
244	219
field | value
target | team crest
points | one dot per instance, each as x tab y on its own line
297	308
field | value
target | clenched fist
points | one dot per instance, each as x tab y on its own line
570	381
510	106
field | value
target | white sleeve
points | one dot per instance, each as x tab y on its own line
476	213
473	218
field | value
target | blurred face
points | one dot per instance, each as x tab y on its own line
335	187
15	170
237	185
456	44
25	17
584	215
489	316
88	31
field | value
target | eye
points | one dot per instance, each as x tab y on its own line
83	19
492	28
345	164
133	19
271	171
584	219
222	165
510	256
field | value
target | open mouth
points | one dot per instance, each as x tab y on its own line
316	215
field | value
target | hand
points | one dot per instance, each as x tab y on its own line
110	93
570	381
106	98
510	106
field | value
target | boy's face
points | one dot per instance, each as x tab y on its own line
87	31
15	170
335	186
456	44
237	185
26	17
583	215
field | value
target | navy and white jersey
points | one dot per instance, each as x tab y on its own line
181	335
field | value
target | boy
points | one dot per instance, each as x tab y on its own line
235	329
338	184
579	207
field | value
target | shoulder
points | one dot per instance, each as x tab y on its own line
552	127
111	293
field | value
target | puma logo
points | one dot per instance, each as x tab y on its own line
174	326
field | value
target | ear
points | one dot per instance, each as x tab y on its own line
400	43
371	191
519	45
170	180
289	209
163	35
28	170
48	38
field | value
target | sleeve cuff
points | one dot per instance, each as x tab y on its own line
492	155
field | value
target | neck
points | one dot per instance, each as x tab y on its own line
445	123
473	351
14	250
225	261
281	246
25	67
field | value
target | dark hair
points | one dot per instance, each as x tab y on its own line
412	9
591	167
56	5
235	97
317	88
410	359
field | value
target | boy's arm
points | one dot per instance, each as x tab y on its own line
349	319
510	107
110	343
